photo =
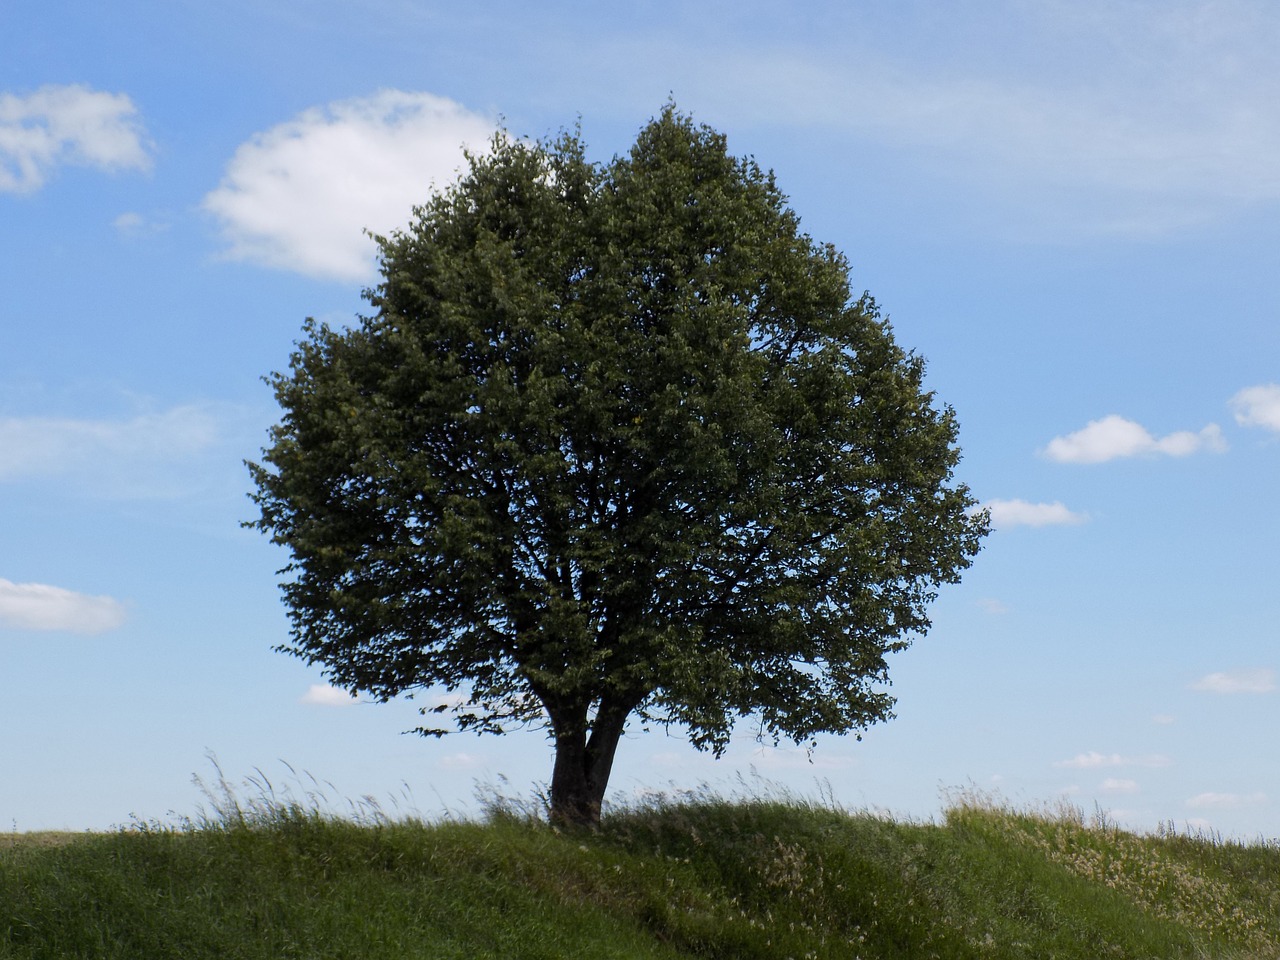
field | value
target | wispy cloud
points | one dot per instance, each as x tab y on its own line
1226	801
1094	760
1252	680
993	606
1117	785
59	125
120	457
1134	118
769	759
326	695
1021	513
37	606
1258	406
134	224
445	701
1114	437
460	761
300	195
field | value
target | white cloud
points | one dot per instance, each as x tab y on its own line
1087	117
1164	719
1113	437
1020	513
128	222
770	759
446	701
459	761
1253	680
993	606
36	606
134	224
1093	760
46	446
1084	761
1117	785
1226	801
300	195
66	124
1133	117
326	695
1258	406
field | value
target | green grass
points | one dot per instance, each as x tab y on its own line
695	877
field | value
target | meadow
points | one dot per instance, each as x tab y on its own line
695	875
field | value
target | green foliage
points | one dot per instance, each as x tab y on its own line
701	877
617	438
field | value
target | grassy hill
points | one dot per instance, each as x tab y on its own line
702	877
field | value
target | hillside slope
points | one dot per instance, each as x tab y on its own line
700	878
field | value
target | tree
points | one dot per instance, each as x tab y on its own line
616	442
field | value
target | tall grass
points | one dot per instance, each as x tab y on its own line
694	875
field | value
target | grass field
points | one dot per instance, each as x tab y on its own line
697	876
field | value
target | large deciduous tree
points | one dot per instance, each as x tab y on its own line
616	442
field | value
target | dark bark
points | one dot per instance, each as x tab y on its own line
584	760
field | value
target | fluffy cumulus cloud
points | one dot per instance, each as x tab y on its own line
37	606
327	695
58	125
1258	406
1252	680
300	195
1094	760
1114	437
1021	513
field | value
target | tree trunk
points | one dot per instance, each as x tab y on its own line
582	766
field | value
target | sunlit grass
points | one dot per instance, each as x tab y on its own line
1226	892
278	873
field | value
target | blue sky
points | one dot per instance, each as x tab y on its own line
1070	209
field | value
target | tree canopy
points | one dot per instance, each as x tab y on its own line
617	440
